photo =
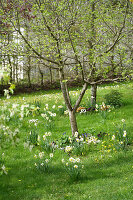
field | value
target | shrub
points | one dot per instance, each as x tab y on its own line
114	98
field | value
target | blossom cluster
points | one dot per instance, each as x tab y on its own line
103	107
48	115
73	167
46	134
43	161
92	139
33	121
8	136
3	169
77	144
17	110
115	142
68	149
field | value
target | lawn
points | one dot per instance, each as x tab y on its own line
106	164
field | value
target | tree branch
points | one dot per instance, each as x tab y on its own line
64	90
75	54
104	80
27	42
45	21
85	86
119	34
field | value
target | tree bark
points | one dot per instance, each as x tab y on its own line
51	76
9	60
28	71
72	110
73	122
112	62
93	94
84	88
13	69
72	117
41	74
29	79
17	70
64	89
41	79
91	54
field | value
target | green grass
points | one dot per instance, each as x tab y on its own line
107	177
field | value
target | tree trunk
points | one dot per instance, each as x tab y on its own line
73	122
64	90
9	60
41	74
28	71
41	79
93	94
72	116
51	76
29	79
17	71
13	69
112	62
76	72
72	111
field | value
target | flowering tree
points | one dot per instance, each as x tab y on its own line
70	33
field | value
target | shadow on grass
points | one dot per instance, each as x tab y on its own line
110	168
24	181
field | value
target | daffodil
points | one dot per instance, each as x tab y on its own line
125	133
76	134
51	155
78	160
113	137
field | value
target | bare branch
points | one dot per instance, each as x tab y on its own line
75	54
45	21
104	80
119	34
